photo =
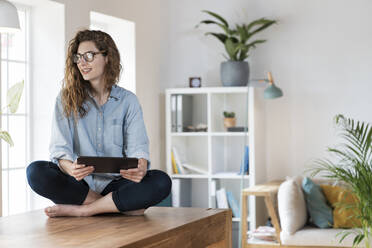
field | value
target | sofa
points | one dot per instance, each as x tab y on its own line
293	218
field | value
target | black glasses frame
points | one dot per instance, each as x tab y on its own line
88	56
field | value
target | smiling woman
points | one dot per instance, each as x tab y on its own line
86	110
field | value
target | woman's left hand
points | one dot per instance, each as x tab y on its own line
136	174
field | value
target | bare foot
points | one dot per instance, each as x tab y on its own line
65	210
135	212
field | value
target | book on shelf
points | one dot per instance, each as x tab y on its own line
177	160
174	165
184	168
174	113
221	198
244	168
237	129
233	204
183	111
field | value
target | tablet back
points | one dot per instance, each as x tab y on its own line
108	164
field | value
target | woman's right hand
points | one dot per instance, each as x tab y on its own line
78	171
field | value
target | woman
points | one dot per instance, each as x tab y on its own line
95	117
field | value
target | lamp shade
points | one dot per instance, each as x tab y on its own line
9	21
272	92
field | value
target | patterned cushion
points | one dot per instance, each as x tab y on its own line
342	217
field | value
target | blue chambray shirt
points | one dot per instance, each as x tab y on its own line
105	131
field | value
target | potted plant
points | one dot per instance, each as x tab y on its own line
229	120
352	164
235	71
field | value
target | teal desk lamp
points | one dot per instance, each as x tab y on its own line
272	91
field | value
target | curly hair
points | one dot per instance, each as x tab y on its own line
75	88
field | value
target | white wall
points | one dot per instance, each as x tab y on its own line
47	60
321	58
47	64
123	34
319	54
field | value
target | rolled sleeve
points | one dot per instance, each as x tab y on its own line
136	140
61	143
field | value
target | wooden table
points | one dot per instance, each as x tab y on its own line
159	227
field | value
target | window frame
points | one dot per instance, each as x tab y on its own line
26	94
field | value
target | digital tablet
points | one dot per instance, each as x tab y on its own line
108	164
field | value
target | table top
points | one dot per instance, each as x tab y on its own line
35	229
263	189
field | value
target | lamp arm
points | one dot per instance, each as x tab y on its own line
260	80
269	79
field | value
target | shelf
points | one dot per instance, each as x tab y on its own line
205	90
188	176
229	134
228	175
189	134
216	151
231	175
228	154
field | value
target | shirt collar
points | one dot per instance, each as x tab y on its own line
114	94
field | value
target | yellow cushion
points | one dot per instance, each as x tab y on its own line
341	216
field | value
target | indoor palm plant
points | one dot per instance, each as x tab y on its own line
353	165
237	43
13	97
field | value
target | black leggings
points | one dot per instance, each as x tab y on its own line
46	179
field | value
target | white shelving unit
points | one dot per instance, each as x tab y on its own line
216	151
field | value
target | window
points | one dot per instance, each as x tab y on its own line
14	160
123	33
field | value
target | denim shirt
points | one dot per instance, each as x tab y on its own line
114	129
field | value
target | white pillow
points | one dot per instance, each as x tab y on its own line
291	207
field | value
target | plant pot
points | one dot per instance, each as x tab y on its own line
229	122
234	73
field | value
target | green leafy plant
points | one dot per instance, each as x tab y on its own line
354	167
228	114
237	40
13	97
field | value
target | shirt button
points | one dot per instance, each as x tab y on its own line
99	145
99	129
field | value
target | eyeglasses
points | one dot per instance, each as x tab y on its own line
88	56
